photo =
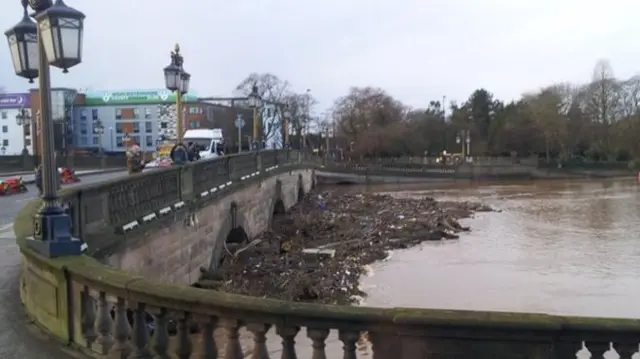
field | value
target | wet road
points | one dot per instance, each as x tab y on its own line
18	338
558	247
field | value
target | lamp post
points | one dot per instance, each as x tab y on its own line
255	102
308	118
23	119
177	80
99	130
463	137
287	117
56	39
111	138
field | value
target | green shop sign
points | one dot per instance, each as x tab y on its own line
134	97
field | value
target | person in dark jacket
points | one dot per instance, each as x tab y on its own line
179	154
194	152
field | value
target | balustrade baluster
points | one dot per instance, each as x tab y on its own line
597	349
105	324
349	339
232	350
89	317
626	350
161	335
259	332
318	336
122	347
184	348
288	335
141	333
209	347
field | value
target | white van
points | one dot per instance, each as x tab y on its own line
210	141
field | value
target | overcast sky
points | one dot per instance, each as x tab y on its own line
418	50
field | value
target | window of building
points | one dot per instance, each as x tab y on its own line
118	129
83	141
83	128
149	140
94	114
3	114
136	127
83	114
163	125
5	142
5	129
95	141
147	113
194	124
195	110
119	140
136	140
136	113
148	127
27	130
118	114
27	142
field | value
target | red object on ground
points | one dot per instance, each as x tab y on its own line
12	185
67	175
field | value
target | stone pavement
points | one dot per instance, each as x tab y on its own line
18	337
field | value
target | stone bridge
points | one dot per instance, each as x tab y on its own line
149	234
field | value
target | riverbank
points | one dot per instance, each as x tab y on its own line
318	251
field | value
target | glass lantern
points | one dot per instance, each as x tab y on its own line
23	46
185	77
254	98
172	77
61	29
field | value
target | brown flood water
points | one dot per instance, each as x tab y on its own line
558	247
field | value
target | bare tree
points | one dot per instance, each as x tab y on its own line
273	92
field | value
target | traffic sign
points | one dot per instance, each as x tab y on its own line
239	122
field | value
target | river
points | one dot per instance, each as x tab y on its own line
557	247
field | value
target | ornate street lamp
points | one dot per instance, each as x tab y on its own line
23	118
255	102
55	40
177	80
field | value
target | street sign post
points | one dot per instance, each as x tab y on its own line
239	125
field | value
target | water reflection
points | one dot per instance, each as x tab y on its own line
566	247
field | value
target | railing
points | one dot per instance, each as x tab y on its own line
112	207
114	313
105	311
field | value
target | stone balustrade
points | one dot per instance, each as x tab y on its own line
106	312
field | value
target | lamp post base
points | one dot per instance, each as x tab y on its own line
52	236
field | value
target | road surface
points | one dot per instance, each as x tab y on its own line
19	338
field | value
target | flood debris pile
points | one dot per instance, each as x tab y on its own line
318	250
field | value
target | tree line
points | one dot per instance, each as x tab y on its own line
598	120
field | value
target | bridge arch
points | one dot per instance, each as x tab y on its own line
300	188
277	204
232	231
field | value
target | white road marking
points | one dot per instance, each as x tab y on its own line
6	231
